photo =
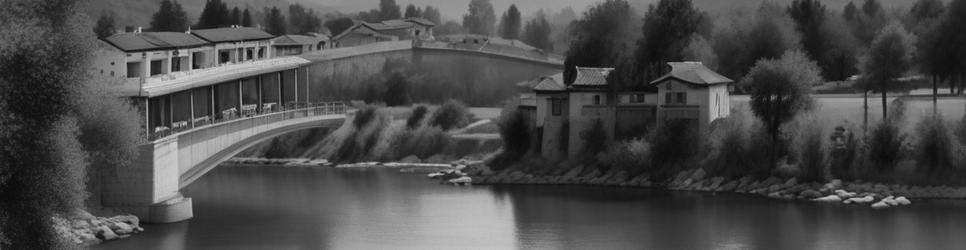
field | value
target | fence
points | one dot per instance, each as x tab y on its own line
291	111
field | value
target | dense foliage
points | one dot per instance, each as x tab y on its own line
480	18
511	23
170	17
780	88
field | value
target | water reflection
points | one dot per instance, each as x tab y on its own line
290	208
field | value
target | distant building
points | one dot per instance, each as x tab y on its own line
237	44
561	112
297	44
391	30
694	93
139	55
146	54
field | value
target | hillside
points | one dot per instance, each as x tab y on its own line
138	12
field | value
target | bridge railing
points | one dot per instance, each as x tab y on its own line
287	112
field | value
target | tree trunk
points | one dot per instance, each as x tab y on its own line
865	110
935	96
885	109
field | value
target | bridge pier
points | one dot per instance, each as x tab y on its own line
149	188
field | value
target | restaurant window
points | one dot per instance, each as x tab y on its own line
675	98
596	100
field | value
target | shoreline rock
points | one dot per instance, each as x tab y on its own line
84	229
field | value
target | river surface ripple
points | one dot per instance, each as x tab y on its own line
298	208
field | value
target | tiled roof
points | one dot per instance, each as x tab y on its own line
591	77
551	83
693	73
142	41
421	21
232	34
297	40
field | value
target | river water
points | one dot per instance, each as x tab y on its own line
300	208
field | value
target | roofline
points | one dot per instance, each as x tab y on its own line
667	77
153	49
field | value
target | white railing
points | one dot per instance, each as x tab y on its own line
292	111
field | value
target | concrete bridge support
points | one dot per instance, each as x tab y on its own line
150	188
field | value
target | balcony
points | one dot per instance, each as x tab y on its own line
184	80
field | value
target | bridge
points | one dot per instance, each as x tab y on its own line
196	119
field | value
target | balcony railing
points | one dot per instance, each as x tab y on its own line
288	112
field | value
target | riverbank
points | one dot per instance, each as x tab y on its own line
875	195
84	229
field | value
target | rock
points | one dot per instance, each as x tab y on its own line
830	198
716	182
771	181
791	182
574	172
698	174
834	184
845	194
774	188
105	233
860	200
124	228
889	200
880	205
687	183
129	219
810	194
903	201
439	159
731	185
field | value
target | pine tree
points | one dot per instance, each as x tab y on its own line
480	18
236	18
105	25
246	18
214	15
170	17
275	22
412	11
389	10
510	23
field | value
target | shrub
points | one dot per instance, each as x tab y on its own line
810	149
673	143
934	150
632	156
363	116
425	142
731	148
515	137
884	144
961	130
846	157
416	119
595	140
397	90
450	115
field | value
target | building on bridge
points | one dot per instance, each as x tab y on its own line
288	45
561	112
237	44
390	30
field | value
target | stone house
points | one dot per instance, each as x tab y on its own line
390	30
561	112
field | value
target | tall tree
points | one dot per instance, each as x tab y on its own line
602	37
537	32
511	23
236	16
780	91
275	22
850	11
890	56
667	29
432	14
170	17
246	18
105	25
412	11
480	18
302	20
809	16
768	33
338	25
389	10
942	54
214	15
45	53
